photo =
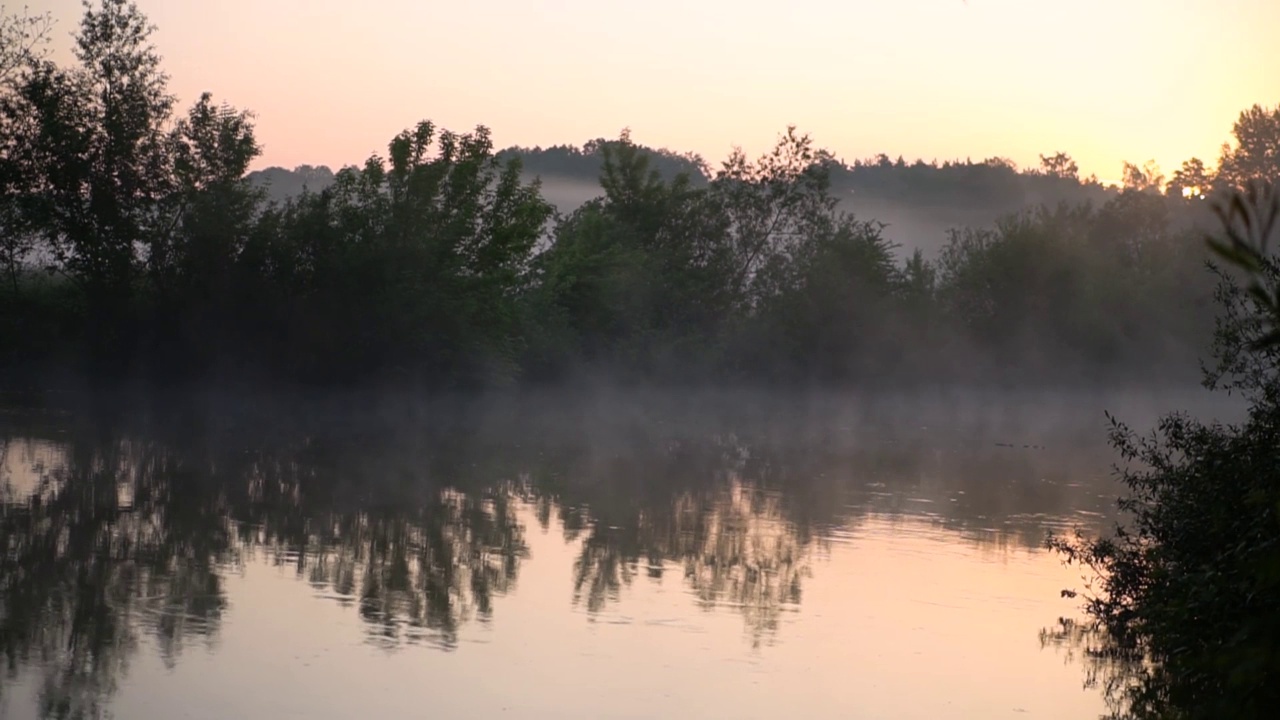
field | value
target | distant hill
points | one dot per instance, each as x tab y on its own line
918	201
282	184
587	162
921	201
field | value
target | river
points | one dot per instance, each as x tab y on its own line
615	557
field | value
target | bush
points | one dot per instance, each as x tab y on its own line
1189	587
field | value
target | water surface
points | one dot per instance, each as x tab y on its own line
600	559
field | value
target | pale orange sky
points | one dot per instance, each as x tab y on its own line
1105	80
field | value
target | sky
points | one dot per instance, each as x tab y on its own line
1108	81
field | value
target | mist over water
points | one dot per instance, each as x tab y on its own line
611	430
734	554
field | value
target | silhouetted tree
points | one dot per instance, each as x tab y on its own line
23	41
1147	178
773	204
1255	154
1192	180
94	158
1059	165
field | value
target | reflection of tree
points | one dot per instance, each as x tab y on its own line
421	575
749	556
121	536
733	539
1115	670
742	511
736	548
632	503
98	552
120	540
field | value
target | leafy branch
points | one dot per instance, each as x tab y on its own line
1250	219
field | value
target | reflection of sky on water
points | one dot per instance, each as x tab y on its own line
744	573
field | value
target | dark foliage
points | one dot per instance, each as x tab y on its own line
1188	589
136	246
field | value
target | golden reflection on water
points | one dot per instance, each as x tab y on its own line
897	620
696	575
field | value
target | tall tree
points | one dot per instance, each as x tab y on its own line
773	203
641	270
411	265
1192	180
23	41
208	214
1255	155
1060	165
1147	178
97	148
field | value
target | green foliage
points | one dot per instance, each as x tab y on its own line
1188	588
639	275
1080	289
1250	220
822	311
141	239
413	265
1193	580
86	162
773	206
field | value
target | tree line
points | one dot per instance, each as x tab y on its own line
134	245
